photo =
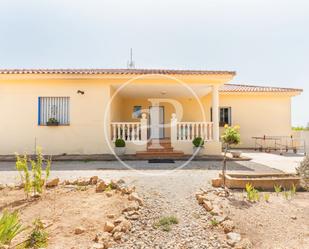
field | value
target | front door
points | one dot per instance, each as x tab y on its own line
156	122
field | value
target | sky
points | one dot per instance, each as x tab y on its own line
265	41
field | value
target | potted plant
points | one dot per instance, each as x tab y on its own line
198	146
120	147
52	122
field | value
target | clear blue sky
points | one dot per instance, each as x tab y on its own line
265	41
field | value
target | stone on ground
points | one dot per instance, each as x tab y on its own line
109	226
52	183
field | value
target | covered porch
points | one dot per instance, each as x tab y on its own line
163	119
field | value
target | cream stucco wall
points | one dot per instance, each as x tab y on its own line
19	129
257	115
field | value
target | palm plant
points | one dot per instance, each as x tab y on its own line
10	227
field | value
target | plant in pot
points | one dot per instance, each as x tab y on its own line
120	147
198	146
230	136
52	122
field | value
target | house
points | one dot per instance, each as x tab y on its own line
83	111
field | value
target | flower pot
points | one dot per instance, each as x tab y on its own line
198	151
120	151
236	154
52	123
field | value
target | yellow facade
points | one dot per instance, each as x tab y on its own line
91	113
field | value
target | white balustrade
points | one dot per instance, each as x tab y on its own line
187	131
128	131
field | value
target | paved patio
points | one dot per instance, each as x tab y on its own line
286	162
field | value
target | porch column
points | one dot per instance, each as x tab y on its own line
215	112
144	127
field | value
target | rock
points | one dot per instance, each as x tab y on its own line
79	230
233	238
244	244
109	194
207	205
117	235
114	184
111	216
108	227
93	180
133	217
82	182
120	181
134	197
216	182
101	186
127	189
52	183
102	237
119	220
201	199
98	246
131	207
125	226
293	217
2	186
228	226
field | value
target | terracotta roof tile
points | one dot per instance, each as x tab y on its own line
250	88
112	71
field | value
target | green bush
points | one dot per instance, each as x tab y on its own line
10	227
120	143
198	142
231	135
38	237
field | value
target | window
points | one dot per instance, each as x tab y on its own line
56	108
137	111
225	116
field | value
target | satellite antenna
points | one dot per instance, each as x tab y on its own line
131	63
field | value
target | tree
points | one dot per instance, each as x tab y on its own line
230	136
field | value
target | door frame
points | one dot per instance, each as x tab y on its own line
149	118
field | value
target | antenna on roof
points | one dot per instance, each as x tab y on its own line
131	63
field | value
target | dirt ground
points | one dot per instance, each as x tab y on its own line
65	209
281	223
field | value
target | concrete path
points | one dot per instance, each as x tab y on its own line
286	163
69	170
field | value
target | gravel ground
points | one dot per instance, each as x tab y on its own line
165	192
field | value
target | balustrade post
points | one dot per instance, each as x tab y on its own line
173	129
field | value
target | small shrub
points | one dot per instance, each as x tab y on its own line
35	181
277	189
10	227
266	197
286	194
293	190
303	171
38	237
252	194
165	223
120	143
214	222
198	142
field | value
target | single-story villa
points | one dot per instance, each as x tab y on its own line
83	111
